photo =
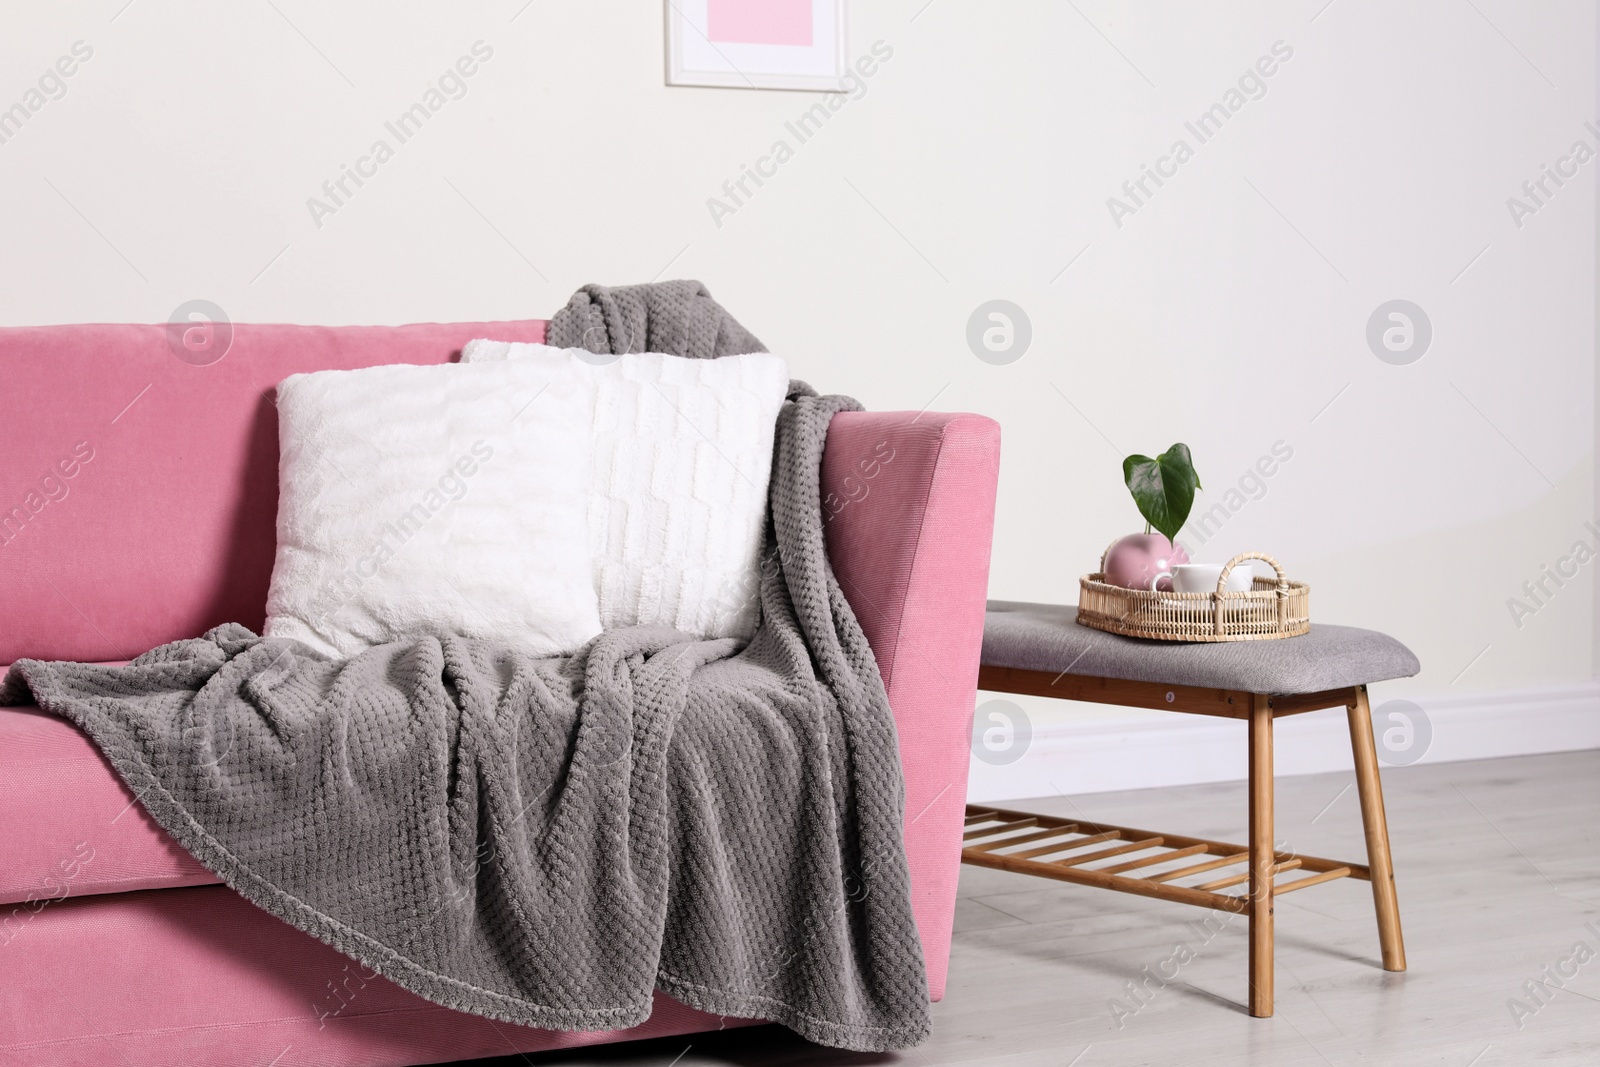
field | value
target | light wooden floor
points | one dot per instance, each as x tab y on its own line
1498	867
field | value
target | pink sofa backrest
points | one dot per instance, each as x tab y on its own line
139	490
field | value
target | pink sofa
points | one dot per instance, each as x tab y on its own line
137	499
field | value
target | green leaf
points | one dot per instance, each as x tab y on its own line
1163	488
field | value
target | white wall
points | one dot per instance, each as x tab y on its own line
1227	312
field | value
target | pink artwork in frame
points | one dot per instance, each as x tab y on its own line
757	44
759	21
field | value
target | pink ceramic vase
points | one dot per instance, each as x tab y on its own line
1143	561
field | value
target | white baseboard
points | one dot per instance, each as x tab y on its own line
1148	749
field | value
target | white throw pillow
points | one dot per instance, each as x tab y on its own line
678	493
416	500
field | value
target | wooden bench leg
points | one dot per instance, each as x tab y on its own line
1376	824
1262	859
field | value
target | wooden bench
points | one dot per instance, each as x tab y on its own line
1040	650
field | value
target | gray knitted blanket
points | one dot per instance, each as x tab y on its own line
545	841
677	317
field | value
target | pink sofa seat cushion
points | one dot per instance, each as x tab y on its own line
200	976
139	492
72	828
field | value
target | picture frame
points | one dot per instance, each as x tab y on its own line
757	44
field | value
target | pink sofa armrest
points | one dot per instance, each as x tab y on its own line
908	502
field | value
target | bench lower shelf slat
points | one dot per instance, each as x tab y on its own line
1068	835
1315	864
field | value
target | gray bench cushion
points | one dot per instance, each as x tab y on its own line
1047	637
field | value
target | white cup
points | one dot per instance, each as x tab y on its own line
1202	578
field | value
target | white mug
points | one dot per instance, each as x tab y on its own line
1202	578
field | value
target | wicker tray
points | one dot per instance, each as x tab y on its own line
1274	608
